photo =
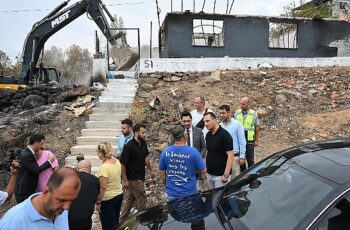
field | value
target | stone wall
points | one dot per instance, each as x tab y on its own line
29	97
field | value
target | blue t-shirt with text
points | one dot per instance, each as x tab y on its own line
180	164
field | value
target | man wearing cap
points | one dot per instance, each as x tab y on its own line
178	165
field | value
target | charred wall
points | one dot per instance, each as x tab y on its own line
249	37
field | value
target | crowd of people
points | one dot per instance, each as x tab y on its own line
207	150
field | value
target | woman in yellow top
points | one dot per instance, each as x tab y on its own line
111	194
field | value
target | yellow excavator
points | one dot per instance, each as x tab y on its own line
31	74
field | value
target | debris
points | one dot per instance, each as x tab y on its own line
265	65
312	92
289	93
173	91
280	99
262	112
78	107
97	86
154	102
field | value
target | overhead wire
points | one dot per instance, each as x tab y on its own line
43	9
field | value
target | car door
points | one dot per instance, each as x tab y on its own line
337	215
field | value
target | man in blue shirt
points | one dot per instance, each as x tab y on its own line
178	165
127	135
236	131
46	210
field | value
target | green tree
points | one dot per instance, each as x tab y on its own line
78	62
17	67
54	57
322	9
5	62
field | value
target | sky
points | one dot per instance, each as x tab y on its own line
17	18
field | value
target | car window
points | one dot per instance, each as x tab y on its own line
338	217
279	197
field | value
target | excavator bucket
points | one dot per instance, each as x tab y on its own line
124	57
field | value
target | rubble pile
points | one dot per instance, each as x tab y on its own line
295	105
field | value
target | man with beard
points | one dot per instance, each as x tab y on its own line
133	161
46	210
127	135
27	179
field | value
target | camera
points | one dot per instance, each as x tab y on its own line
80	157
10	156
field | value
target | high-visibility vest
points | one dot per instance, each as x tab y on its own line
248	122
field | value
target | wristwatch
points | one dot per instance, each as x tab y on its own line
226	175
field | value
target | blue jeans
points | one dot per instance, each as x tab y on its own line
110	210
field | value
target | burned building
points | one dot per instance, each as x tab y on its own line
188	34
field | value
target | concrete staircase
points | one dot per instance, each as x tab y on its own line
104	123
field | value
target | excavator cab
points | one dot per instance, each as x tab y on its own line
45	75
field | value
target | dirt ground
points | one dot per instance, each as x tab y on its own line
295	105
59	126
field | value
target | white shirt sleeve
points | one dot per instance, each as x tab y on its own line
3	197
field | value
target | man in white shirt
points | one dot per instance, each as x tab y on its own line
195	137
198	112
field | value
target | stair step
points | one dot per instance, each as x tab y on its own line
102	104
95	161
119	99
95	140
111	110
87	149
101	132
107	117
102	124
117	94
113	106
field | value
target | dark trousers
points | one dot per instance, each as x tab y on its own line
21	198
249	155
110	210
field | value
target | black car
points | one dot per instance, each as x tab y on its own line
305	187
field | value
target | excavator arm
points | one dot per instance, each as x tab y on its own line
56	20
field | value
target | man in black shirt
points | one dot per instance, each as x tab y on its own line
83	206
219	152
133	160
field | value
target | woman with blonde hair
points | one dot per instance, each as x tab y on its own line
110	198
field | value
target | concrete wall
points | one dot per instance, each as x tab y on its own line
173	65
249	37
